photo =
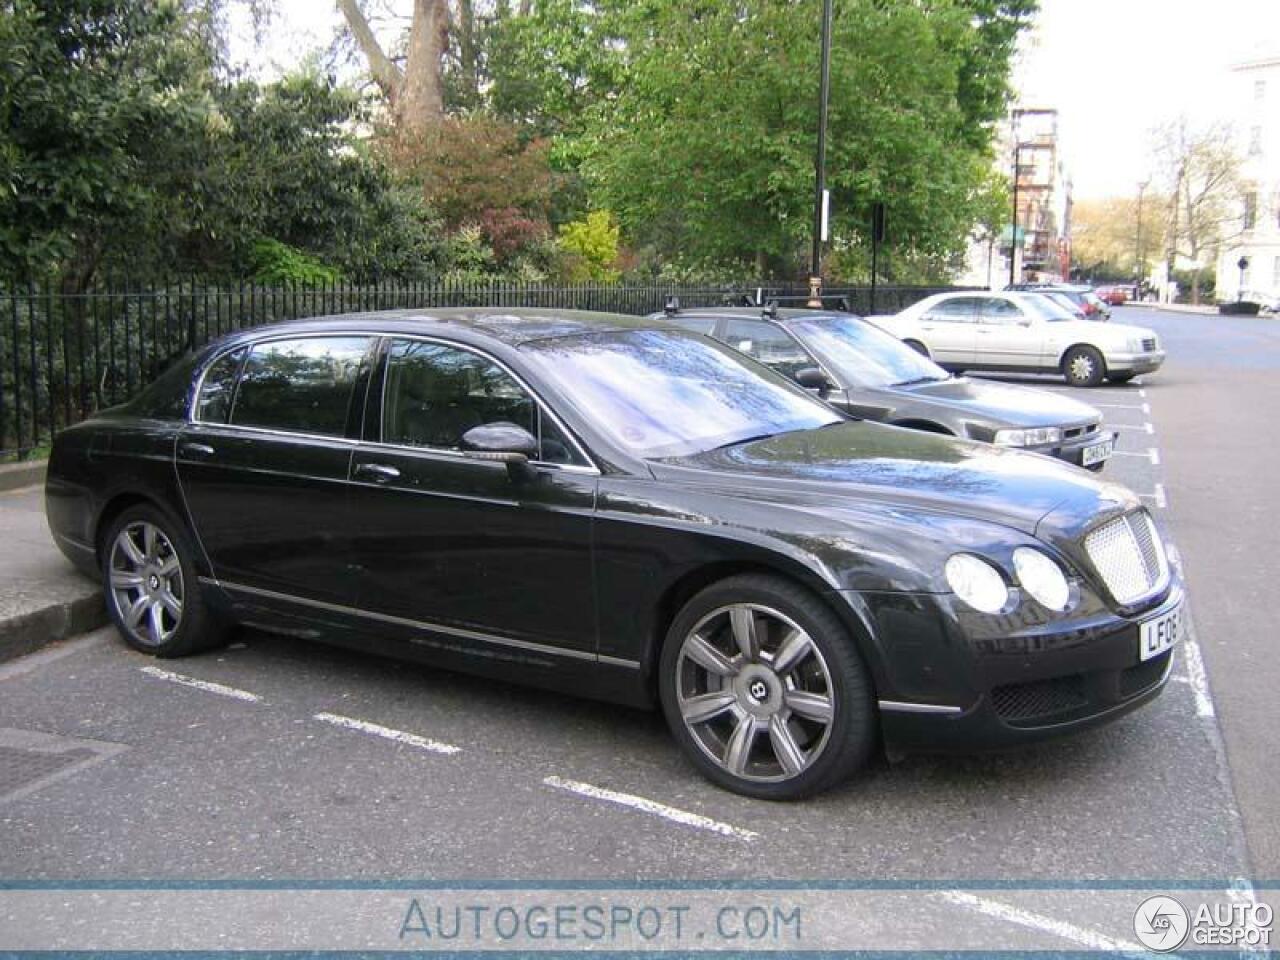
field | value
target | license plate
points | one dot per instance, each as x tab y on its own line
1159	634
1097	453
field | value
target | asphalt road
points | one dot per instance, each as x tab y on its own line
278	759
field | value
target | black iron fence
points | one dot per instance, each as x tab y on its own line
63	356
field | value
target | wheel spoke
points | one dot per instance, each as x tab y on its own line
814	706
170	603
738	751
794	647
125	542
707	706
155	621
785	747
169	566
125	580
743	622
697	649
149	540
133	616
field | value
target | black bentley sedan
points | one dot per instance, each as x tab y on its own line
856	366
617	509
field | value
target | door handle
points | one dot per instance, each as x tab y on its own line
193	449
377	472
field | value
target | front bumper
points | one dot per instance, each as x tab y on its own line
1134	362
1016	686
1072	449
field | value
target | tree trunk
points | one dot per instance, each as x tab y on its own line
421	101
468	60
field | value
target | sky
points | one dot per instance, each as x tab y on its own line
1113	68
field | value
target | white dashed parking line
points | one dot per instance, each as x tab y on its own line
645	805
387	733
1035	921
206	685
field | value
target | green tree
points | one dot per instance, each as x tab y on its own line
593	246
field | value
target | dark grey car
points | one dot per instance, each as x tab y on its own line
866	372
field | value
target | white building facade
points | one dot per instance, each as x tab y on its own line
1256	103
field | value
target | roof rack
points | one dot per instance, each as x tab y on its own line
672	306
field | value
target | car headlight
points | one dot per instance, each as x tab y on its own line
977	582
1135	346
1028	438
1041	577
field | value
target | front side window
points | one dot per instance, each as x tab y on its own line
300	386
769	344
955	310
667	393
999	311
1048	308
214	402
434	393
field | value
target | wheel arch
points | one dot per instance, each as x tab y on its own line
853	617
1062	354
120	501
929	426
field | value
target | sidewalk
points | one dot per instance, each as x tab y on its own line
42	597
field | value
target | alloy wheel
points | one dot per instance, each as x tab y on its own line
755	693
1082	367
146	582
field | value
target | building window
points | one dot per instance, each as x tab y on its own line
1275	273
1255	141
1259	89
1250	210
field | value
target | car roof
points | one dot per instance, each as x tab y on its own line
510	326
761	313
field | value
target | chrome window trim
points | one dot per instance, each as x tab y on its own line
590	468
461	632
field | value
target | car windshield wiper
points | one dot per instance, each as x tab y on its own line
926	379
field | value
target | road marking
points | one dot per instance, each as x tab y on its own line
1142	393
645	805
1158	496
388	733
205	685
1132	426
1123	406
1034	921
1151	453
1198	679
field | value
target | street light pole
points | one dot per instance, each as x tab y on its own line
1139	260
820	178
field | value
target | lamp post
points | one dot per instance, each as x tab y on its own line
1140	266
1013	234
820	178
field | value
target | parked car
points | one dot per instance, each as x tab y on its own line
1023	332
610	508
1084	298
858	368
1115	295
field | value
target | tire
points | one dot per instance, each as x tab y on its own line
1083	367
918	347
1120	377
753	728
151	586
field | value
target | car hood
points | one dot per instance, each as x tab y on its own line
1005	403
870	464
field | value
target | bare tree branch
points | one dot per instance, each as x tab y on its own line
385	73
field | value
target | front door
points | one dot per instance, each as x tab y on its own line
264	465
1008	336
499	557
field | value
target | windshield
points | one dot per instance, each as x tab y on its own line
862	355
1046	308
668	393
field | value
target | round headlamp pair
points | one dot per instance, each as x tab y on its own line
979	584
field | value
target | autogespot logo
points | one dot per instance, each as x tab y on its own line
1161	923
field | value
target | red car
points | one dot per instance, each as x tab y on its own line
1113	296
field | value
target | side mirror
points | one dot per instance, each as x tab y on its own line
1024	321
501	442
812	378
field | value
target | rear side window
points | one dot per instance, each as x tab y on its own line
769	344
300	386
694	324
214	403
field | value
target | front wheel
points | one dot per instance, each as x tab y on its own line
150	583
1083	367
764	690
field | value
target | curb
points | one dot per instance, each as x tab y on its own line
29	632
14	476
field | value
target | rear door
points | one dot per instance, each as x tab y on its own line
499	559
264	464
1008	336
949	330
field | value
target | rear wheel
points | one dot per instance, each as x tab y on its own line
151	588
1083	367
764	690
917	346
